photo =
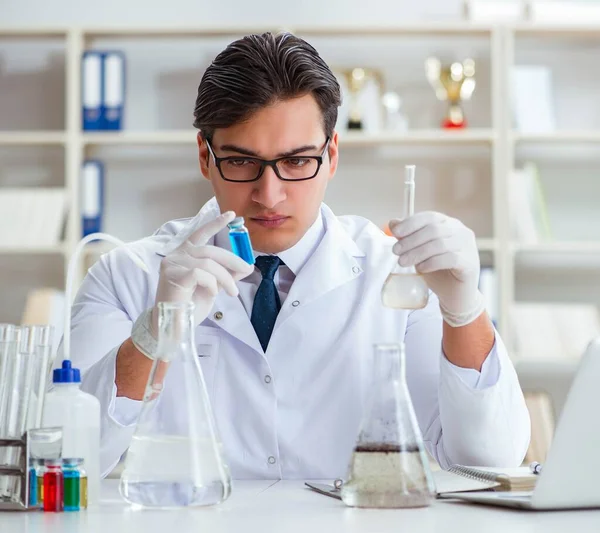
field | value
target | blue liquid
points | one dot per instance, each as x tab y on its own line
33	488
240	244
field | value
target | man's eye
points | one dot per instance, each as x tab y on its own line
240	162
296	162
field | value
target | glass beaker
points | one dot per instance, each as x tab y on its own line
389	467
175	459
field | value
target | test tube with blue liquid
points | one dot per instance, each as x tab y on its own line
240	240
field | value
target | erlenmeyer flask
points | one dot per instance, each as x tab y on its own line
404	288
389	466
175	458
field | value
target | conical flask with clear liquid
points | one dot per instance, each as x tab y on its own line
175	458
404	288
389	467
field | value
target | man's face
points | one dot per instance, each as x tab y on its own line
277	213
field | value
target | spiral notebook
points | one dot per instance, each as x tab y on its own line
504	479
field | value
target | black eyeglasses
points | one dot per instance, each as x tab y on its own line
290	168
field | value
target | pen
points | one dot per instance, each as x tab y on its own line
535	467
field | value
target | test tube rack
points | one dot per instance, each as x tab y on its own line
14	477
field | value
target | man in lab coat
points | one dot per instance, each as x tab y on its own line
287	345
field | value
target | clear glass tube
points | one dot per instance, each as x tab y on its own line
21	377
175	459
18	356
41	368
404	288
389	467
9	336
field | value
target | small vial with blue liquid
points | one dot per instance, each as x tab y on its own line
240	240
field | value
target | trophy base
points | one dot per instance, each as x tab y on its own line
453	124
355	124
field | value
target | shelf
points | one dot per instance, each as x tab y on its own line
573	136
173	32
444	29
433	136
33	32
424	29
140	137
31	138
561	247
558	255
579	31
32	250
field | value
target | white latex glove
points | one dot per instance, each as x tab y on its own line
444	251
196	272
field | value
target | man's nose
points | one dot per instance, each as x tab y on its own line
269	190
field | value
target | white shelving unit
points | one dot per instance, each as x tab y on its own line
499	138
566	256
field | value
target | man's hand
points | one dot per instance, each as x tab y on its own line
196	272
444	251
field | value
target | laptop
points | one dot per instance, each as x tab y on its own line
570	477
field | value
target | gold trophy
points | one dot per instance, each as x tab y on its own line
357	79
453	83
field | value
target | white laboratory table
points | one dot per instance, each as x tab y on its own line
287	507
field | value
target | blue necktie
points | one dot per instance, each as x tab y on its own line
266	301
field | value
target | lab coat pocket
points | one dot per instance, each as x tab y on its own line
208	341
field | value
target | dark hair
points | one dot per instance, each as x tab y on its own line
258	70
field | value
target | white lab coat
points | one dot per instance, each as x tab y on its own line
295	411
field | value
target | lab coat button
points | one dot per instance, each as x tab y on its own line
218	315
295	303
272	460
356	270
267	379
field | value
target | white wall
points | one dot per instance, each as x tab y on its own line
234	12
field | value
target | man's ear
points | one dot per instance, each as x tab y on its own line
203	155
333	152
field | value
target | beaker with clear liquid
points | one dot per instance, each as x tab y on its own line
175	459
404	288
389	467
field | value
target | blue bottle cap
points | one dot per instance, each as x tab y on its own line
236	222
66	374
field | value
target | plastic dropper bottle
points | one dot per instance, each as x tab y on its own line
404	288
78	414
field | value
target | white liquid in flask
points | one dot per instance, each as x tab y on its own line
404	288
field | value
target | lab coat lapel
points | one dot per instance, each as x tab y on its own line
332	265
229	314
